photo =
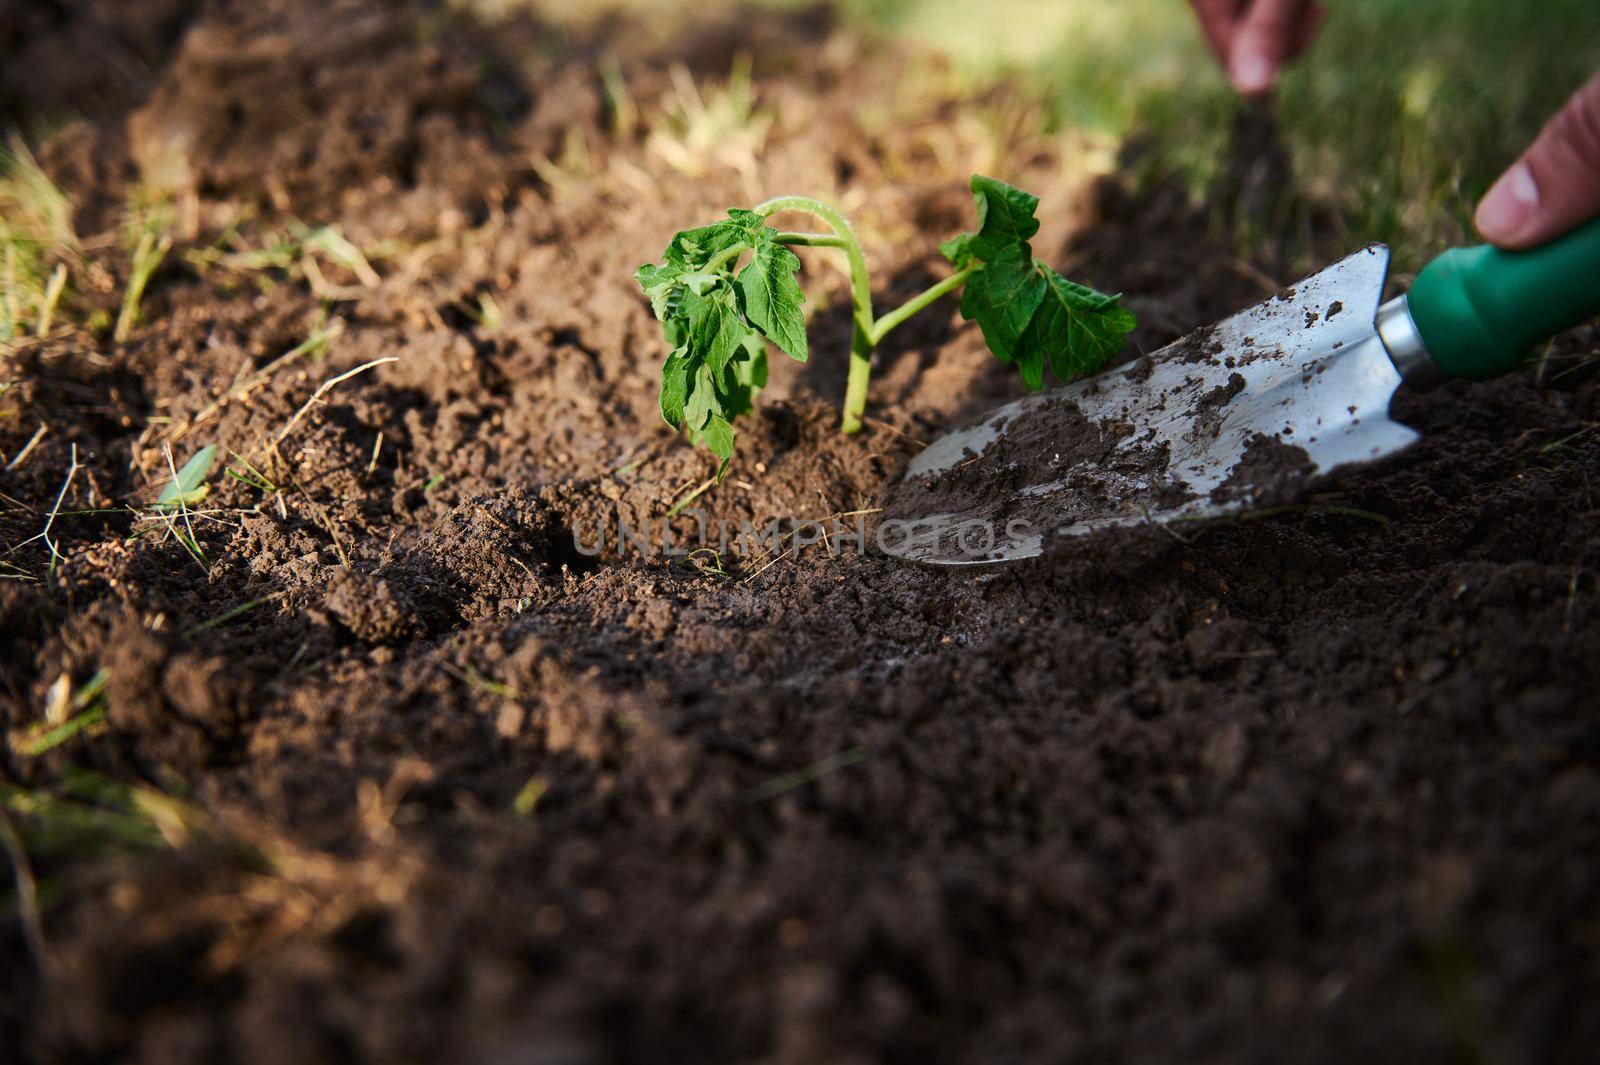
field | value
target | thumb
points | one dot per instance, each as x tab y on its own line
1556	183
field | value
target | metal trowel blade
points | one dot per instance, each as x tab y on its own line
1231	417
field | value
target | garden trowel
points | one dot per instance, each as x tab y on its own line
1242	414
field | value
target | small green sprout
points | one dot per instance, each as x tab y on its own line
719	316
147	258
247	473
189	485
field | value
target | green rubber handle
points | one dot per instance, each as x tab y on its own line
1480	309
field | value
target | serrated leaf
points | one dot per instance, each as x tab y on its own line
674	387
1002	299
1005	215
717	437
716	328
958	249
772	298
693	248
750	221
658	283
1077	328
702	402
655	275
189	486
717	331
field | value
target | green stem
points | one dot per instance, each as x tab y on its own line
882	327
804	240
861	344
855	389
860	288
716	262
811	240
867	331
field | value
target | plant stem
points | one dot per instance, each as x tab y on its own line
882	326
811	240
861	345
855	389
867	331
803	240
726	255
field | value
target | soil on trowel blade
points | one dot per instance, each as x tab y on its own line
1049	468
381	764
1268	471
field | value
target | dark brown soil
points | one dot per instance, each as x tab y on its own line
1265	470
1321	786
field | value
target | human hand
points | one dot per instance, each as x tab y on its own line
1253	39
1555	185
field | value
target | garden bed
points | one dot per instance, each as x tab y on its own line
417	779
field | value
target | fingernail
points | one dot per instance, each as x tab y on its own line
1252	72
1510	205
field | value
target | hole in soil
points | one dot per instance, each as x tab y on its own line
564	552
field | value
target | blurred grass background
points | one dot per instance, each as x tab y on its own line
1399	117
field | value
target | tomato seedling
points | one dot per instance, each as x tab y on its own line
719	316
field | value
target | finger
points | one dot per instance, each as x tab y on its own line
1556	183
1218	19
1261	44
1311	17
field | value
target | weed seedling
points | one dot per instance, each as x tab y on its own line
188	485
718	317
247	473
147	257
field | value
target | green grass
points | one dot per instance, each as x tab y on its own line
79	710
1400	116
36	243
85	813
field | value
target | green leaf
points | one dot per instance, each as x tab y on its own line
772	297
718	436
1002	298
747	375
714	327
752	370
958	249
702	402
1030	314
1030	362
658	283
1077	328
1005	215
693	248
715	322
700	283
189	486
676	332
674	387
